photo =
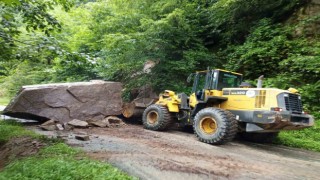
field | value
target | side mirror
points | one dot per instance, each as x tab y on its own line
190	77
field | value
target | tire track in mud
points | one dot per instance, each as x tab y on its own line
168	152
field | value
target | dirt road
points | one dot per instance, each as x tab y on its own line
179	155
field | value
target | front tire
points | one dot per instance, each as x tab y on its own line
215	126
156	117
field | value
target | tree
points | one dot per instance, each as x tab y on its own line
28	14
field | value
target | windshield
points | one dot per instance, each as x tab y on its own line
228	80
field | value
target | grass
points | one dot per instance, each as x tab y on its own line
4	101
10	129
306	139
57	161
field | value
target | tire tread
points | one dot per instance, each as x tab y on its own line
163	123
228	127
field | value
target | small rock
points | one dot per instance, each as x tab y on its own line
48	123
113	120
62	136
81	133
67	127
98	123
49	127
82	137
78	123
59	127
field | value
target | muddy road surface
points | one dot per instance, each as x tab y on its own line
179	155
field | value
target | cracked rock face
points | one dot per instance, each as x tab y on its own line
66	101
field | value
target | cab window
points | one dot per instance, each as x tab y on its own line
228	80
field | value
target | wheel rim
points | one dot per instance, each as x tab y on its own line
208	125
152	117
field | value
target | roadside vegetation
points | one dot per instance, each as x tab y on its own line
4	100
10	129
54	161
307	138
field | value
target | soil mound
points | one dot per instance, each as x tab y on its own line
17	148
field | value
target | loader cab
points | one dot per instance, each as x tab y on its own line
214	80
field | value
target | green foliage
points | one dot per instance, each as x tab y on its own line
125	38
60	167
311	97
10	129
21	76
10	2
59	150
4	101
264	48
26	47
307	138
25	14
41	59
229	21
74	67
33	13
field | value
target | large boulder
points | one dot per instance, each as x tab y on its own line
67	101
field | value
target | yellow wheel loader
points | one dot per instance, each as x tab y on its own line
221	105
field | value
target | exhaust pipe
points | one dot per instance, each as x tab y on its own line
259	85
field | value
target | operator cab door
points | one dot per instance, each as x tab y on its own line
198	85
203	83
208	85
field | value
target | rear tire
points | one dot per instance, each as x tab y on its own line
156	117
215	126
259	137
